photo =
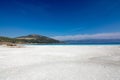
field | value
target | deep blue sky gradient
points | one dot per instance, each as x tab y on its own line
58	17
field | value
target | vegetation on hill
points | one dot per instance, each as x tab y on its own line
29	39
6	39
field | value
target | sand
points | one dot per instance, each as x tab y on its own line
60	63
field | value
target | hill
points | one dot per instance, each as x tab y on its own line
28	39
34	38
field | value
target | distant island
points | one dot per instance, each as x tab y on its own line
29	39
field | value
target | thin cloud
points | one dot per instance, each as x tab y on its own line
89	36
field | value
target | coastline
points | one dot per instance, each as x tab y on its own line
37	45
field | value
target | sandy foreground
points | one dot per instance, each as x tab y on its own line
60	63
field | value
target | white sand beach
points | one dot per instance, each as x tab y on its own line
60	63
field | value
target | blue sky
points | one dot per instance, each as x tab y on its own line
59	17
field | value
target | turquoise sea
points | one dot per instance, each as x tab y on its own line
90	44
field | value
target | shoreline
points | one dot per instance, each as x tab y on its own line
70	45
76	45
